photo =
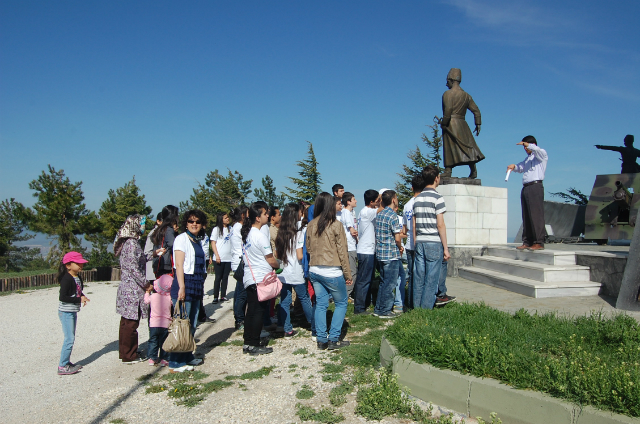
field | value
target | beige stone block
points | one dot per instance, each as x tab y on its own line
485	204
450	220
450	203
472	236
451	235
499	205
465	204
498	236
468	220
495	192
497	221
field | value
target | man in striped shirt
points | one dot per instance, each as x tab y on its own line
430	235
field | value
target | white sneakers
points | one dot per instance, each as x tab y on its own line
181	369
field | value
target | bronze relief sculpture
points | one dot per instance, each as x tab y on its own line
459	146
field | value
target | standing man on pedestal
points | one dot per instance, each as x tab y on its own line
458	145
532	196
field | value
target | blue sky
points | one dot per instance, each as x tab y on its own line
169	91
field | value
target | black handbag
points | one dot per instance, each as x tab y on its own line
238	274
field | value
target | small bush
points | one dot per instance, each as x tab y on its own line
383	398
338	395
324	415
305	393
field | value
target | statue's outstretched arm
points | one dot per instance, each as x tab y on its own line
613	148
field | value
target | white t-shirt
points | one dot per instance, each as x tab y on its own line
349	221
223	243
367	231
256	248
293	273
265	230
236	245
326	271
407	221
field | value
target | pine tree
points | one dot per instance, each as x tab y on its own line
60	213
573	195
308	185
268	193
12	227
120	203
219	193
417	162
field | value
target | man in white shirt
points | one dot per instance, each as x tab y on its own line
417	185
366	249
532	195
350	226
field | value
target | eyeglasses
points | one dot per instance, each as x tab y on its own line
190	221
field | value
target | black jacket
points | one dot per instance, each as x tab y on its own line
68	289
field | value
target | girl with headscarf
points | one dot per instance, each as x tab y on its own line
133	284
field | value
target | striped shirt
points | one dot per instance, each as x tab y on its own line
72	307
427	205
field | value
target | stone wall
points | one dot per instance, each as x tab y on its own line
606	268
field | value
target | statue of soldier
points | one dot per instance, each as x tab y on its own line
459	146
629	155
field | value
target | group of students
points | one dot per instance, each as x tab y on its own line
321	251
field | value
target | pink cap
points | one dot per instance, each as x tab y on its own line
74	257
163	284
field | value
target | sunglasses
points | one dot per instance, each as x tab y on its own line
190	221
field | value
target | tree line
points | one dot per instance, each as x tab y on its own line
61	214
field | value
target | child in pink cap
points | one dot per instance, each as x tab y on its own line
71	297
160	318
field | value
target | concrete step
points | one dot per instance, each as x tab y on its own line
527	286
533	270
549	257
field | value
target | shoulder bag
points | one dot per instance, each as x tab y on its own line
180	338
270	286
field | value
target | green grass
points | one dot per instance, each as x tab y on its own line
588	360
301	351
118	421
28	289
324	415
338	395
26	273
305	393
253	375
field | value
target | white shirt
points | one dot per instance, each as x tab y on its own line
236	245
223	243
255	264
265	230
407	221
349	221
367	231
183	244
292	273
534	166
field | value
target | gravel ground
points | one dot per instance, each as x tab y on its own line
107	390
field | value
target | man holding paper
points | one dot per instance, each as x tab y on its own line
532	195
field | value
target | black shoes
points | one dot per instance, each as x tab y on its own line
323	346
441	301
215	301
337	345
257	350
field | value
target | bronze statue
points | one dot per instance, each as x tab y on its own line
459	146
629	155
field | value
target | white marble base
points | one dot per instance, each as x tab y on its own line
476	215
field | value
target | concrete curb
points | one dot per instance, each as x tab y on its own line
481	396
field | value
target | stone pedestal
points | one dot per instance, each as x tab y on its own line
476	215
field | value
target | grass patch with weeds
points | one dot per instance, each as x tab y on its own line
186	387
118	421
155	388
305	393
252	375
331	378
300	351
332	368
338	395
324	415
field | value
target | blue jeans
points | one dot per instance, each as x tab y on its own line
411	254
157	336
363	281
325	287
442	286
388	282
284	311
179	359
402	282
239	302
426	277
68	321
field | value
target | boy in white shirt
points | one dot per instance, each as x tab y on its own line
366	249
417	185
351	228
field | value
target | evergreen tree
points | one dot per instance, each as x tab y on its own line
219	193
417	161
573	195
12	227
308	185
120	203
268	193
60	213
